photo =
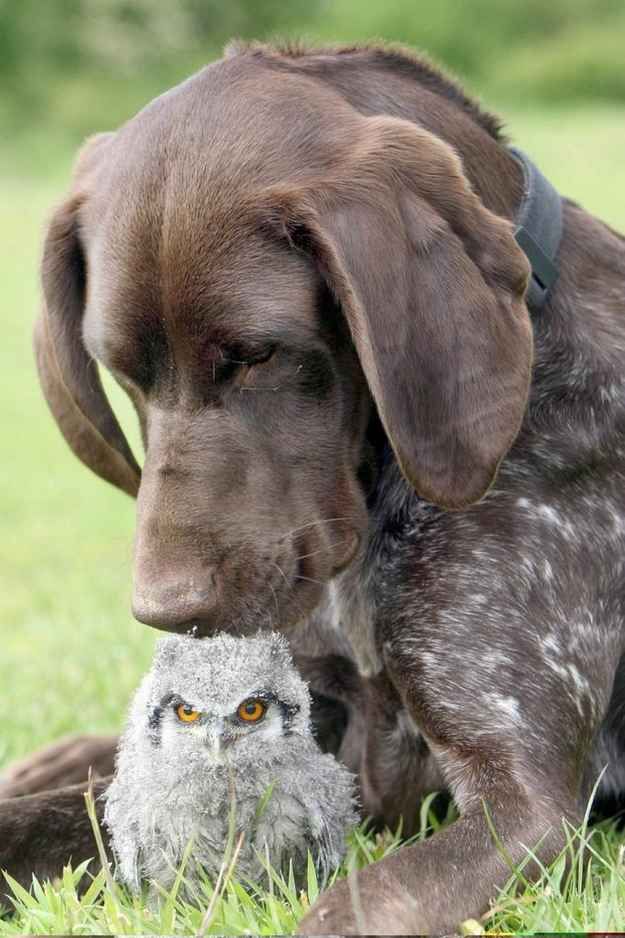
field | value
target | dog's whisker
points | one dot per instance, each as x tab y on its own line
322	550
286	580
275	599
311	524
309	579
280	571
276	388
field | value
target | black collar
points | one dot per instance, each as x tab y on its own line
538	229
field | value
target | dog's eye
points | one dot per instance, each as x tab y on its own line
252	376
261	357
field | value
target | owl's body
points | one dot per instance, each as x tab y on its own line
221	727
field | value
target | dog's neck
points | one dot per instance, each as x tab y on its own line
397	516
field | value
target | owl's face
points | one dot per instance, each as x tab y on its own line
223	699
236	728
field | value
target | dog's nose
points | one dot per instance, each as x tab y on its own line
173	607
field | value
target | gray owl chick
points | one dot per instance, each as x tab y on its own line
215	716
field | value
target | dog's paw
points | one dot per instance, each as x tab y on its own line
65	762
332	914
370	903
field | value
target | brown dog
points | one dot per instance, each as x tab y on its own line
302	268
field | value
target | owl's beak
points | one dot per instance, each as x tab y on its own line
217	739
214	744
214	739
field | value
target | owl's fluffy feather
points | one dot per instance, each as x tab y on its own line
171	788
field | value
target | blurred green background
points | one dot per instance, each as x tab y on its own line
70	652
69	66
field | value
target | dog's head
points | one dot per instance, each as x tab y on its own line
271	276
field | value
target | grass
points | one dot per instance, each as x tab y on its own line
80	904
71	652
582	890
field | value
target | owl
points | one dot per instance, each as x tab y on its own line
219	729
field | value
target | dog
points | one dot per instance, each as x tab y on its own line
302	267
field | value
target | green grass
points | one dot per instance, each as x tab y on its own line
71	651
225	907
71	655
582	890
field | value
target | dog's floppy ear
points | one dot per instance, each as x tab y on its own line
432	285
69	376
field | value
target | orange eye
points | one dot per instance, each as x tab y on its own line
187	714
252	710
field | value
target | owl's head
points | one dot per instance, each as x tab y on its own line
221	699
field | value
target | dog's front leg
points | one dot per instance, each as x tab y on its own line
509	706
433	886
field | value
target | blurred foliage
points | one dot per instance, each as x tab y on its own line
72	60
73	66
477	38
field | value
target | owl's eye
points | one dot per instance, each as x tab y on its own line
251	710
187	714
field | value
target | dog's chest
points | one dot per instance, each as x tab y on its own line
350	612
